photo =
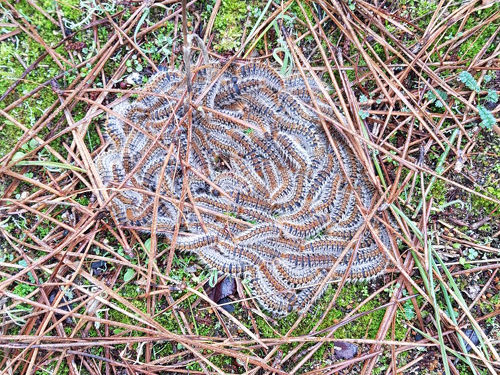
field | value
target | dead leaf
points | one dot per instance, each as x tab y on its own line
221	291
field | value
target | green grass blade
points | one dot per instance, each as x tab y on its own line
460	299
439	169
252	46
451	313
50	164
435	305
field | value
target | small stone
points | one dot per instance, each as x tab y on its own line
344	350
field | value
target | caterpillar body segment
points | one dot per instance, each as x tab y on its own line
193	243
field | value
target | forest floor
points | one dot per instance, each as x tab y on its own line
418	82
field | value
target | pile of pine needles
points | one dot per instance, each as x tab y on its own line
415	104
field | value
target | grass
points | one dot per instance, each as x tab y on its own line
399	89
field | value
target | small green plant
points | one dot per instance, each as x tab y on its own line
129	275
468	80
487	118
287	61
134	63
437	100
363	114
492	96
214	275
472	253
409	310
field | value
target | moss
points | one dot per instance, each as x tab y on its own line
9	134
225	363
167	320
83	200
228	25
491	189
22	290
350	297
22	48
296	11
472	46
464	369
382	364
43	229
438	192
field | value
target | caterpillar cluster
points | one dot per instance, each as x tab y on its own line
261	145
